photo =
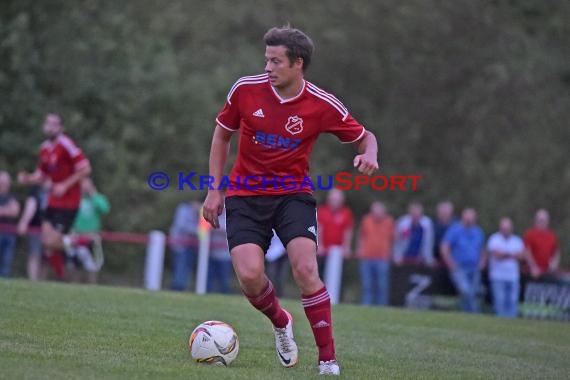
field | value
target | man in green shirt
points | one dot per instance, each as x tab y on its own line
85	249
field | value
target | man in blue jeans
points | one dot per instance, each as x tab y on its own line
505	251
374	246
184	244
462	251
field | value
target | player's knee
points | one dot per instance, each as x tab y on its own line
305	271
250	276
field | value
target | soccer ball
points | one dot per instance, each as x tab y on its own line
214	342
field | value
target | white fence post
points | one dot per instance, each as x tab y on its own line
203	257
154	264
333	273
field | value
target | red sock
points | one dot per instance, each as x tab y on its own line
57	263
318	310
268	304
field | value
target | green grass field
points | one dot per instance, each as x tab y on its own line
63	331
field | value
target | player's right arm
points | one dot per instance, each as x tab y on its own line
219	151
35	178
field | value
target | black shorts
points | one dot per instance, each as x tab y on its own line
60	218
250	219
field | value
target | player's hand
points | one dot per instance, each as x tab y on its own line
366	163
213	207
58	190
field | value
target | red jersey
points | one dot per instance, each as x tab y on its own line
59	159
333	225
277	135
542	244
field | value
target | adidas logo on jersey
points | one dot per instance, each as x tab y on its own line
259	113
321	324
312	230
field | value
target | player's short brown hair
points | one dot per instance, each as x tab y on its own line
298	44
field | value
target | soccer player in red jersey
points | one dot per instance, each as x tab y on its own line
63	165
279	116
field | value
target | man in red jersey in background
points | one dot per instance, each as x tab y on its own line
542	247
279	116
335	224
63	165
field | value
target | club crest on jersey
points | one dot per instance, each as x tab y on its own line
294	125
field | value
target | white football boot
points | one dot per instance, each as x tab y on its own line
329	368
285	343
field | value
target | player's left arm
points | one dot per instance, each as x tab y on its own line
367	160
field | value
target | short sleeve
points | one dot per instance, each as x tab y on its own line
229	117
345	128
79	160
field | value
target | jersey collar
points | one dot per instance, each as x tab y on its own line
281	100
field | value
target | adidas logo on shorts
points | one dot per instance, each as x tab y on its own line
312	230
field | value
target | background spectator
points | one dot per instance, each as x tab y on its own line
184	228
462	251
32	217
277	264
443	219
86	251
505	250
335	222
543	250
374	245
9	210
414	237
220	264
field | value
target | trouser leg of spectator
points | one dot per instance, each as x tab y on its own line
366	281
34	261
180	269
7	246
499	298
461	283
383	281
512	299
225	270
474	278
